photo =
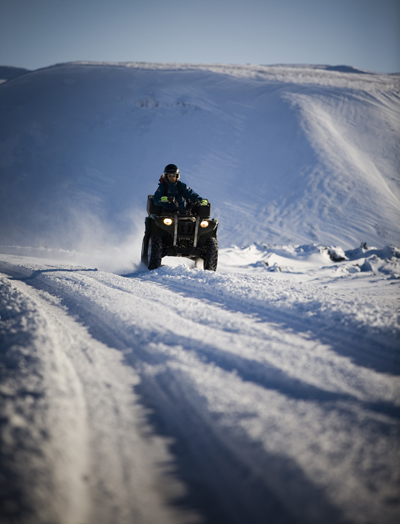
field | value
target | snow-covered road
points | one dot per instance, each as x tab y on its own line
163	396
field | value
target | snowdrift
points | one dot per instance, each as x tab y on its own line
287	155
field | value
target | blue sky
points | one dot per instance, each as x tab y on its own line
359	33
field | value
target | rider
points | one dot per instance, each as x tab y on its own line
170	187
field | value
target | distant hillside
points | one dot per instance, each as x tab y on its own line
7	73
286	154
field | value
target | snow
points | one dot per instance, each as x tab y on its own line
305	154
265	391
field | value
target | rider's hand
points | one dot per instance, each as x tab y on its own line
203	202
164	199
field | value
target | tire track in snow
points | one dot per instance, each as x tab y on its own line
245	449
365	331
74	444
46	460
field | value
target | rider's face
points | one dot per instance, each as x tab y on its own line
171	177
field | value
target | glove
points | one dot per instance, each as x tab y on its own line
203	202
164	199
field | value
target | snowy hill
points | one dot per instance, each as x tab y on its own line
8	73
267	391
285	154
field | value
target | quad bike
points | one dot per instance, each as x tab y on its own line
188	232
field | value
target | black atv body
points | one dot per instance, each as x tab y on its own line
188	232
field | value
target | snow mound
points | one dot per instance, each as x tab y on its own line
314	262
286	154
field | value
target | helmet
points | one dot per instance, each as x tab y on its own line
171	168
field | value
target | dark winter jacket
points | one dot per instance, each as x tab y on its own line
173	191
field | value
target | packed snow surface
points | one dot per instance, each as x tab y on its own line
267	391
268	397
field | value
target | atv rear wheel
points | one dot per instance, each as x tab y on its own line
154	252
211	255
145	250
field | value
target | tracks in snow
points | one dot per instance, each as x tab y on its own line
75	445
267	420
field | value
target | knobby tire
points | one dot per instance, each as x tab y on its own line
155	251
211	256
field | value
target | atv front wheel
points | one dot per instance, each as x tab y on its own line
211	255
154	252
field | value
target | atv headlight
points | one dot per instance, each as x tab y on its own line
167	221
204	223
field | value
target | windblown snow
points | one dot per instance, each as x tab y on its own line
267	391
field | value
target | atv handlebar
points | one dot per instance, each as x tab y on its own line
189	205
172	200
188	210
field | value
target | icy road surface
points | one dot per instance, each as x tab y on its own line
180	395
